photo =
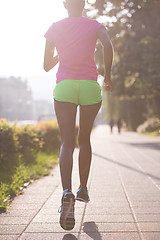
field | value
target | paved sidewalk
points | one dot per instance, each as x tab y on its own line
124	188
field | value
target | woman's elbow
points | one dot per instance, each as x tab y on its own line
45	67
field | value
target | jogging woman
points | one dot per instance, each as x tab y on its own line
75	40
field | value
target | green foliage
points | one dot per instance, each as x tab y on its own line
4	196
8	144
26	153
28	143
134	31
150	126
51	140
24	174
130	110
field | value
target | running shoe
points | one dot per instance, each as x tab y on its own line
67	220
82	195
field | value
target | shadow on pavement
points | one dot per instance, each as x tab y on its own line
126	166
69	237
91	229
151	145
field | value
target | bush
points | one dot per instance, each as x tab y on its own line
21	157
23	143
22	177
49	135
28	143
8	144
151	125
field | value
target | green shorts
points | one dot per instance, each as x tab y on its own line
80	92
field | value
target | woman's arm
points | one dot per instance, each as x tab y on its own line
108	57
49	60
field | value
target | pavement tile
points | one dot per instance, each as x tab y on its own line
26	206
110	236
148	217
15	220
107	204
79	204
144	198
146	204
110	194
109	218
11	229
53	206
107	193
139	188
49	227
49	236
9	237
151	235
141	194
108	227
41	218
29	199
112	210
55	211
19	212
107	198
150	227
106	186
151	210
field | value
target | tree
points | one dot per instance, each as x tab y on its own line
134	28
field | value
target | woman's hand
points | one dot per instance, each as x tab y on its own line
108	85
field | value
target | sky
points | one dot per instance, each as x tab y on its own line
23	24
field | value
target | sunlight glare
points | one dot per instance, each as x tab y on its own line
23	25
91	1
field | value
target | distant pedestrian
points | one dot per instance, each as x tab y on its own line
111	123
119	125
75	40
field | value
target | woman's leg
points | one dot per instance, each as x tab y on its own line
66	116
87	117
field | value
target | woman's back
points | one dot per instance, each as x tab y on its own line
75	41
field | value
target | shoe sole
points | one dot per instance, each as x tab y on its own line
82	200
67	220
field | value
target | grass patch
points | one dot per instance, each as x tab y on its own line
152	134
14	180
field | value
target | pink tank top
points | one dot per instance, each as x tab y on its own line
75	40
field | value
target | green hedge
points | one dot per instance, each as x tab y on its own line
49	136
8	144
23	143
152	125
25	153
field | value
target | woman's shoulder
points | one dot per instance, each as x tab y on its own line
59	22
73	21
89	20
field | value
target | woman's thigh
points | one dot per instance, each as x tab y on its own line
87	117
66	117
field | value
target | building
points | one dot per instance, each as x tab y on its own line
17	103
15	99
